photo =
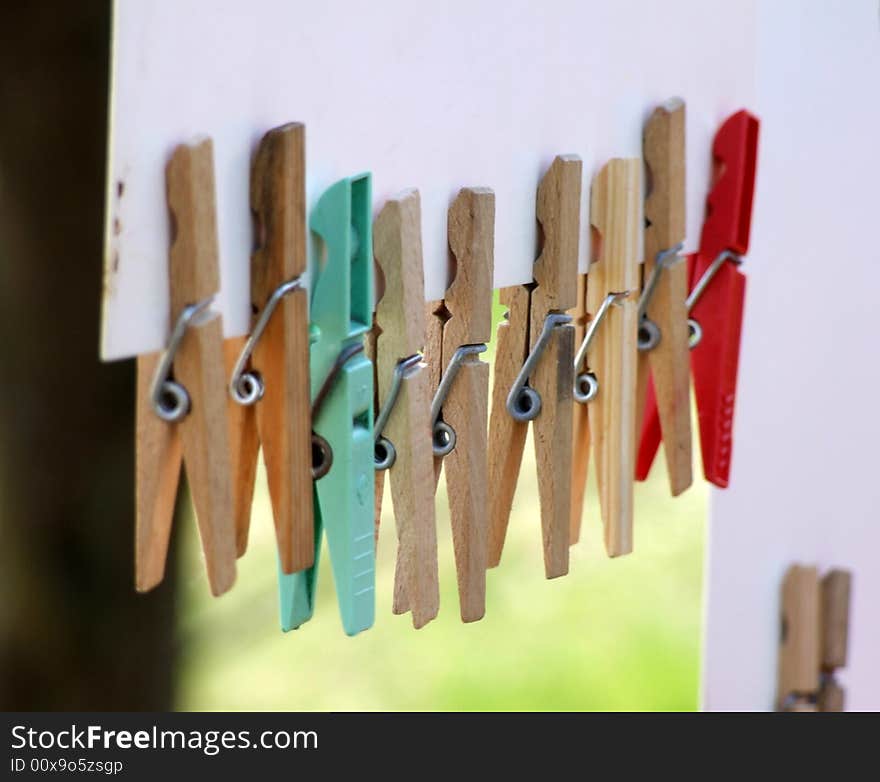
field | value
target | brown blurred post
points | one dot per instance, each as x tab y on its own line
73	633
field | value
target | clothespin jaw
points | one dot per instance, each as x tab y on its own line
342	409
269	386
403	426
715	303
836	589
535	372
663	316
813	644
183	418
613	278
457	331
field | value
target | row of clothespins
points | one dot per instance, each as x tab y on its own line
335	397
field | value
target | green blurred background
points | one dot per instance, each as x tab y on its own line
613	634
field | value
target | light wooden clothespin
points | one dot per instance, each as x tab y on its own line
181	404
458	329
814	636
403	420
664	355
534	374
269	380
606	362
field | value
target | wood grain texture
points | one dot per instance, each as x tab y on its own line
555	274
800	646
401	333
281	357
244	449
580	422
158	458
507	436
836	588
468	306
615	214
669	361
199	364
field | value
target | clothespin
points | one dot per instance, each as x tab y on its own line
341	380
269	385
403	423
457	331
181	404
663	318
715	302
534	375
815	618
606	383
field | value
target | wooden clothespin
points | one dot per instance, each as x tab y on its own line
815	618
403	422
715	302
341	382
458	328
269	386
606	361
534	373
663	319
181	404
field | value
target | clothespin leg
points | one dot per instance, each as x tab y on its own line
580	424
507	436
553	379
297	590
199	367
416	526
244	448
467	479
159	456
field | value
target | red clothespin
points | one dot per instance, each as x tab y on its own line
715	304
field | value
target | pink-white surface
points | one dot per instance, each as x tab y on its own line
435	96
805	485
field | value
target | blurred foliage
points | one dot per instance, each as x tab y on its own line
613	634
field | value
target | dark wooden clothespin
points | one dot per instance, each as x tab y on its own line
534	374
269	385
181	404
403	404
458	328
664	356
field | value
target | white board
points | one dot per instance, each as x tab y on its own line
435	96
804	486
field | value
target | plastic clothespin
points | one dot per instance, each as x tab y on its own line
663	316
342	409
269	370
715	302
606	361
534	373
458	328
181	402
403	423
814	637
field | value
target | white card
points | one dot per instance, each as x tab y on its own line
436	97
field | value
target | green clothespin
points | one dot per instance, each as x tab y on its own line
342	408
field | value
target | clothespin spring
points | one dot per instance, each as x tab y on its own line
170	399
523	402
246	388
695	330
443	434
586	384
649	332
322	453
384	454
